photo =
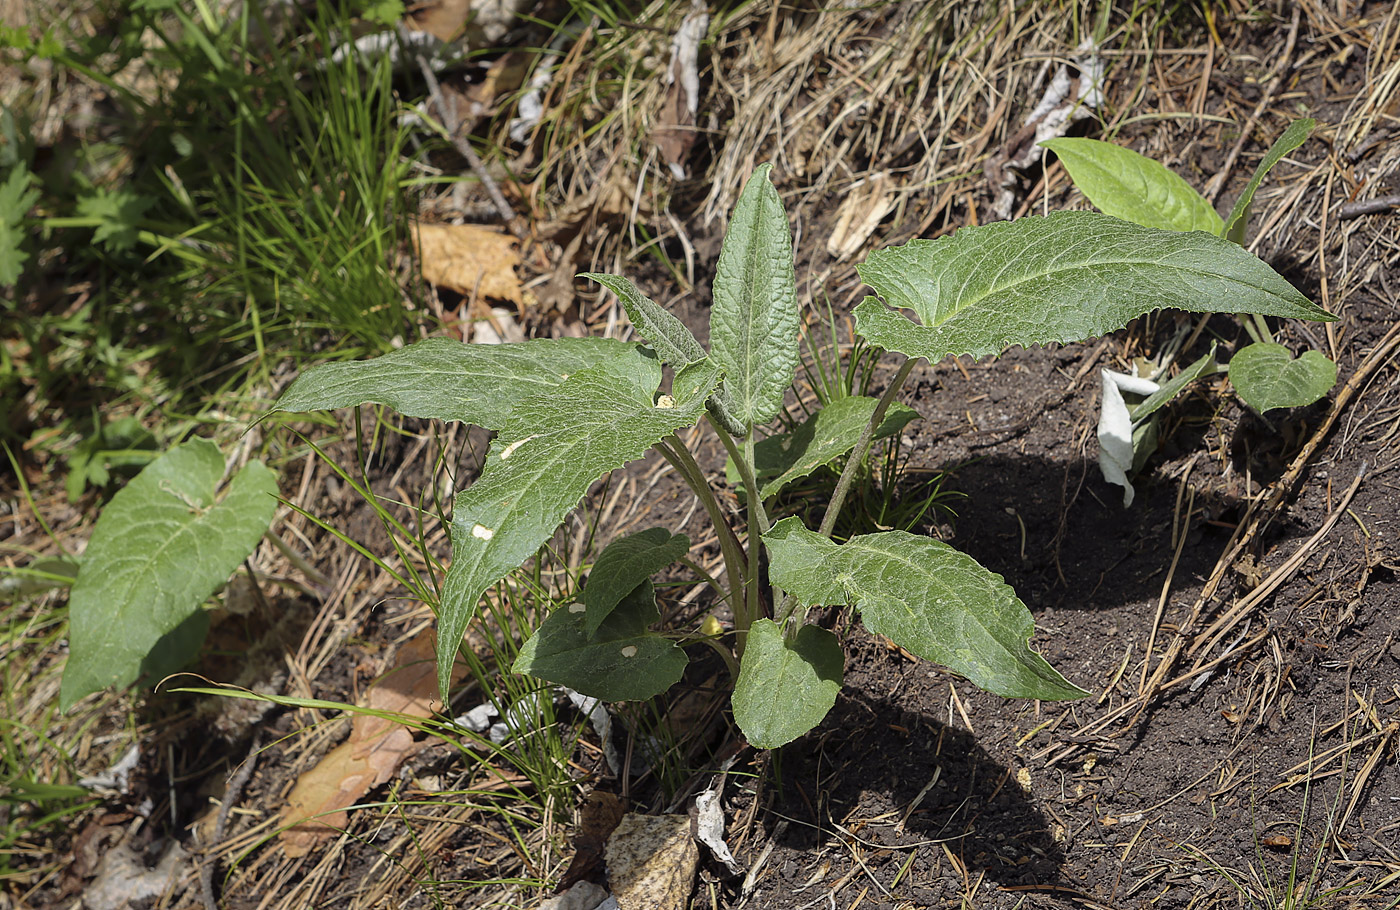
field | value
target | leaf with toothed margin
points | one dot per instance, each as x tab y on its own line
922	595
475	383
621	661
549	452
753	321
1063	277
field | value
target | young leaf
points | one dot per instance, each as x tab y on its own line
623	565
17	197
820	439
1266	376
622	661
438	377
1297	133
1205	366
548	453
785	688
160	548
1124	184
924	596
753	321
1063	277
669	337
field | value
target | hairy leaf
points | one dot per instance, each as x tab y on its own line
623	565
820	439
785	688
1126	185
924	596
1266	376
475	383
1063	277
753	322
549	451
160	548
622	661
1297	133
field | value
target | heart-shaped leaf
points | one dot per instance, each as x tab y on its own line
1124	184
1064	277
160	548
1266	376
622	661
785	688
924	596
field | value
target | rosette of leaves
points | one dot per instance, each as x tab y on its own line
1125	184
567	411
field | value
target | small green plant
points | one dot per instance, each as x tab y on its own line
158	551
1122	183
567	411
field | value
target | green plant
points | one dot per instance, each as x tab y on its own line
567	411
158	551
1265	375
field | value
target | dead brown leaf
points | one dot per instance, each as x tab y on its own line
471	259
864	207
675	129
652	861
598	817
370	757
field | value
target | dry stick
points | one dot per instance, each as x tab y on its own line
1217	182
448	110
231	795
1381	205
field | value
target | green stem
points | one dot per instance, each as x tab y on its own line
679	457
706	577
1258	328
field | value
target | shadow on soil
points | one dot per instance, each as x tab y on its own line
896	779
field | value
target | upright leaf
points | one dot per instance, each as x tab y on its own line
1124	184
621	661
623	565
785	688
549	451
1266	376
160	548
1297	133
753	322
17	197
475	383
1063	277
924	596
669	337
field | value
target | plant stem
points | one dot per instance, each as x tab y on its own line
679	457
848	474
857	456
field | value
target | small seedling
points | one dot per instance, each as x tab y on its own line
1122	183
567	411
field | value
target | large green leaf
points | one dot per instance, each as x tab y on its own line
622	661
160	548
1297	133
438	377
821	438
1126	185
1063	277
785	688
753	321
548	453
924	596
1266	376
623	565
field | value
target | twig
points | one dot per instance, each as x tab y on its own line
231	795
453	124
1381	205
